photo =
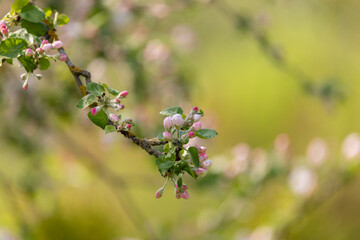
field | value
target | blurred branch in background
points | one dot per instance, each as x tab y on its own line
329	91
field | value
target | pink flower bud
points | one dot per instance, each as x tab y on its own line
124	94
63	57
168	123
119	107
4	30
40	50
195	109
206	164
2	24
197	126
159	193
29	52
202	149
57	44
95	110
128	126
117	100
184	186
25	85
167	136
113	118
177	194
191	134
196	117
203	157
177	120
185	195
47	47
201	172
44	42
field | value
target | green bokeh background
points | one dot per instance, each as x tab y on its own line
245	97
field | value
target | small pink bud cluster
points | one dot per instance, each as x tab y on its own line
205	163
181	192
159	193
127	124
116	103
57	44
3	29
95	110
63	57
113	117
29	52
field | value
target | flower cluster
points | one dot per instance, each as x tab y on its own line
179	158
103	104
28	43
40	53
3	29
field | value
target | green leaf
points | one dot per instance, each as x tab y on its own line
44	63
19	4
111	90
188	169
179	182
164	163
12	47
86	101
109	129
32	13
38	29
100	119
194	156
95	89
171	111
160	137
28	63
22	33
62	19
206	133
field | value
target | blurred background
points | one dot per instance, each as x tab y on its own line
278	79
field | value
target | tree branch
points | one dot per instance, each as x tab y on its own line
145	144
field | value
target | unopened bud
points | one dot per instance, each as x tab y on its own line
40	50
25	85
123	94
201	172
167	136
114	118
47	47
197	126
159	193
128	126
95	110
195	109
63	57
29	52
206	164
119	107
168	123
4	30
203	157
57	44
44	42
191	134
185	195
177	120
196	117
